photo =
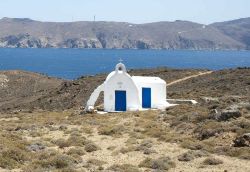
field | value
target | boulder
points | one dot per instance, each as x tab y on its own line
210	99
36	147
242	141
228	114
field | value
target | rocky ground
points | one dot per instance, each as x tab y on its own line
44	129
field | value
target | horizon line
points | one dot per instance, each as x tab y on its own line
94	20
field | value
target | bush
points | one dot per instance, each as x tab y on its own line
8	163
71	141
77	140
123	168
96	162
242	152
51	160
76	151
191	155
111	130
163	163
91	147
212	161
209	129
62	143
127	149
12	158
145	147
192	144
62	161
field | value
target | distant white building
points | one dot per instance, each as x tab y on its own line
125	93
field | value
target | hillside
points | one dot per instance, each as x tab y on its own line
20	87
237	29
26	90
160	35
43	129
22	90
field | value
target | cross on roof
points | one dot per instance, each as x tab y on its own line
120	60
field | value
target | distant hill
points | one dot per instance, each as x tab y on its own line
27	33
237	29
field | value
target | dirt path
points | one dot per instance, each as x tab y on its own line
189	77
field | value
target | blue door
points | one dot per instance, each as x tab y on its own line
120	101
146	97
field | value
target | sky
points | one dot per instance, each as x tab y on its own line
134	11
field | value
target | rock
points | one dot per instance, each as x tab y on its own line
36	147
210	99
63	127
242	141
227	114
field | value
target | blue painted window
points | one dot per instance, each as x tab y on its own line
146	97
120	100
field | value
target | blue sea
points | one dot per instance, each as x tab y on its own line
73	63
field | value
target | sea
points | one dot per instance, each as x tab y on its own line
73	63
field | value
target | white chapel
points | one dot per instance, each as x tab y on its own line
123	92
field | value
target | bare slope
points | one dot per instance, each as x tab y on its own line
160	35
20	87
236	29
24	90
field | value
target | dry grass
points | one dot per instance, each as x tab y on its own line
116	141
212	161
91	147
162	163
51	160
111	130
124	168
76	151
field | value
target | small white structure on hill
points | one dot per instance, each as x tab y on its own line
125	93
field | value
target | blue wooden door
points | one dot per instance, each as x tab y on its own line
120	101
146	97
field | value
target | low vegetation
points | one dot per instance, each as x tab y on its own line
182	137
212	161
124	168
162	163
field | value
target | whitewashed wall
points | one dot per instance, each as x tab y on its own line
158	93
121	81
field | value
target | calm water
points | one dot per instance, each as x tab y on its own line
73	63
